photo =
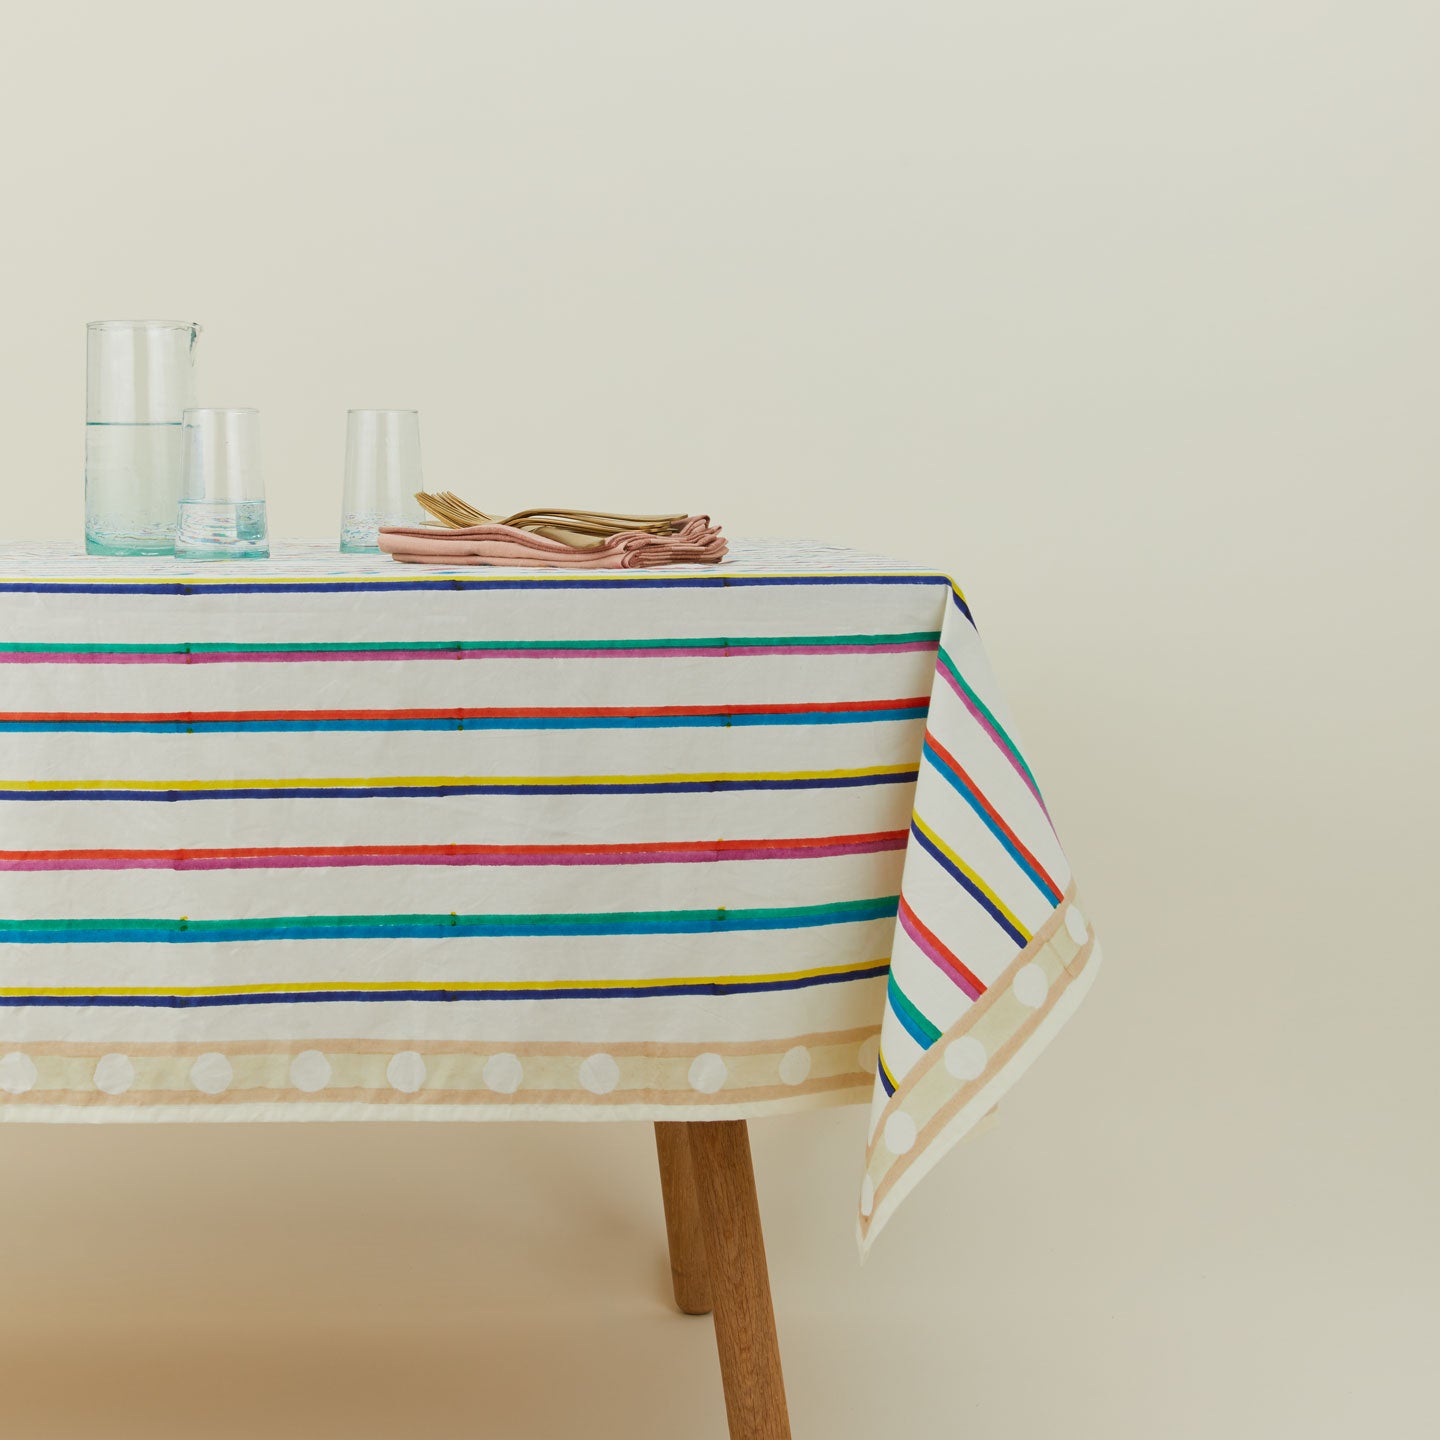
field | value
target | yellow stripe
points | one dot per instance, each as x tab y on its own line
438	781
307	987
441	573
970	875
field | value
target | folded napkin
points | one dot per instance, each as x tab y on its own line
695	542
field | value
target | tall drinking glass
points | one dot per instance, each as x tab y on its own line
382	474
139	380
222	512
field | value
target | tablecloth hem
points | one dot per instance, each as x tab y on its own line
982	1103
321	1112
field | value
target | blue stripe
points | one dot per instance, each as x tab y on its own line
719	720
908	1014
988	820
185	1002
300	587
966	884
370	792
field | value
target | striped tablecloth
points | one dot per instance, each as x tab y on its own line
325	838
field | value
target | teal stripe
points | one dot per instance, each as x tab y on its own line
159	930
743	642
718	720
922	1030
972	799
980	705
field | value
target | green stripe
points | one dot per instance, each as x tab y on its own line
904	1006
881	907
302	647
984	709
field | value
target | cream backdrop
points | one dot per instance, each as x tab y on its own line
1124	312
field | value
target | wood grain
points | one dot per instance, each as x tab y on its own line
739	1280
689	1270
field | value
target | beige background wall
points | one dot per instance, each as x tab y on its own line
1124	312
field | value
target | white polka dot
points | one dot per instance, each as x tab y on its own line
900	1132
1031	986
406	1071
212	1072
17	1073
869	1057
867	1195
965	1058
707	1073
1075	924
114	1074
795	1065
310	1071
503	1073
599	1074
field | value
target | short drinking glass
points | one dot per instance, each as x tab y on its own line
222	507
382	474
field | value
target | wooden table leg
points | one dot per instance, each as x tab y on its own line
739	1281
689	1270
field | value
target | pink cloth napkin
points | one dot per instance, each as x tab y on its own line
697	542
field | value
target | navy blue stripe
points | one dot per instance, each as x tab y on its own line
302	587
310	792
487	722
954	781
184	1002
968	885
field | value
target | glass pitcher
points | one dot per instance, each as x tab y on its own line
140	379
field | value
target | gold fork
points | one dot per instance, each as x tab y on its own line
582	528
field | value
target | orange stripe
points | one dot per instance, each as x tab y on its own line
953	764
503	712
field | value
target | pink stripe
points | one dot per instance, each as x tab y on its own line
935	956
900	648
56	657
221	657
237	657
510	858
990	730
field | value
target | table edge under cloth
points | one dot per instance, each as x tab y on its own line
915	1118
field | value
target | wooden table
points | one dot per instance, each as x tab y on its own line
717	1263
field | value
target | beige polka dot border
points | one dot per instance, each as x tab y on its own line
974	1053
436	1073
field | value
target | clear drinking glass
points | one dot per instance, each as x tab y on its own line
382	474
222	510
139	380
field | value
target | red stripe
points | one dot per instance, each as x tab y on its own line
507	712
953	764
944	955
878	838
